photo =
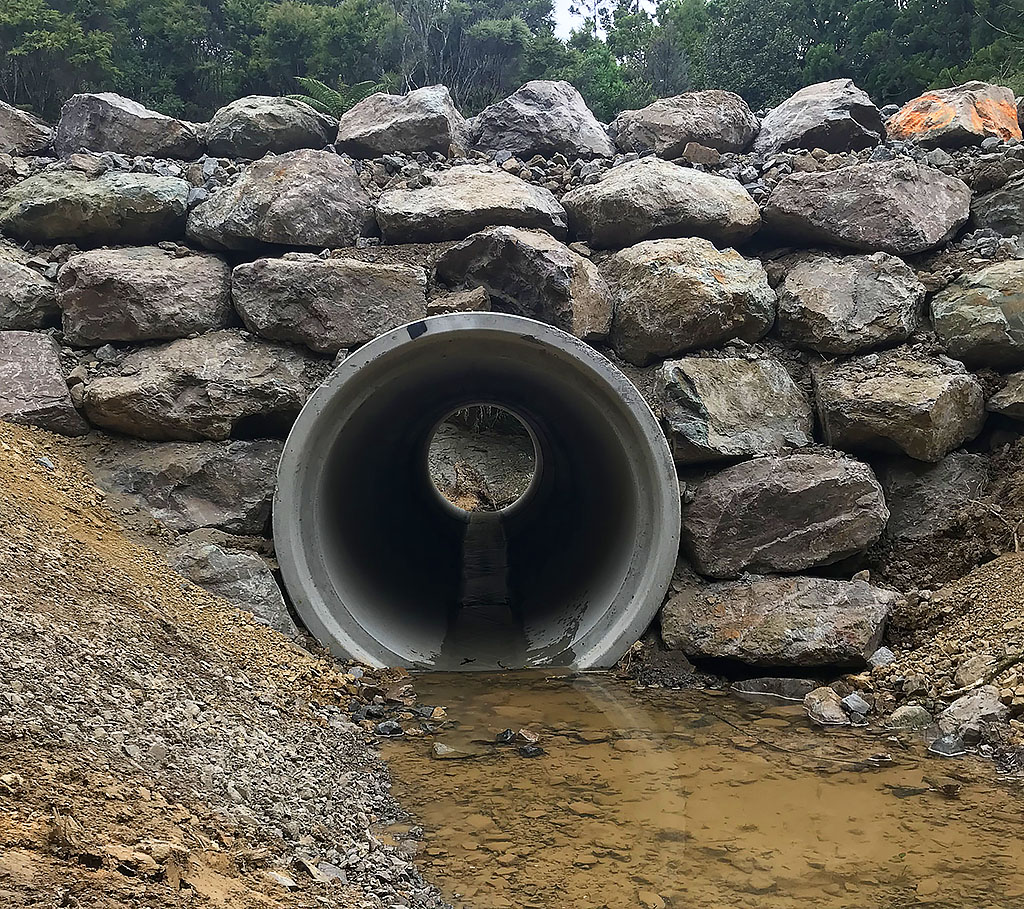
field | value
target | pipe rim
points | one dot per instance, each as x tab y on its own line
596	648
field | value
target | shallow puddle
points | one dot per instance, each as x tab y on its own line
651	799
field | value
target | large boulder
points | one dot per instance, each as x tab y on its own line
980	318
185	486
32	386
257	124
651	198
1009	400
1002	209
885	206
237	575
108	122
954	117
327	304
301	198
679	295
28	301
836	116
926	499
111	208
783	514
764	621
142	293
718	408
541	118
842	305
424	120
714	119
899	401
463	200
203	388
529	273
21	133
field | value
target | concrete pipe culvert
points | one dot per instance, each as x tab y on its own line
384	570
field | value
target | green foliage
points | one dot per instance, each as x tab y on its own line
188	57
333	101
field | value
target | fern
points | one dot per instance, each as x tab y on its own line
331	101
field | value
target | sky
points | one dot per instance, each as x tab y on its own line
564	20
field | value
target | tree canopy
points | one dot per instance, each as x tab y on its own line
188	57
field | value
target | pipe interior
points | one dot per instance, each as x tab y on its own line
395	552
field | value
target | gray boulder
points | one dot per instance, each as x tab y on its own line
824	706
108	122
257	124
28	301
843	305
836	116
980	318
301	198
424	120
142	293
652	198
327	304
714	119
203	388
926	499
765	621
716	408
969	714
529	273
899	402
783	514
1002	209
463	200
541	118
1009	400
228	486
241	577
679	295
21	133
953	117
889	206
32	386
111	208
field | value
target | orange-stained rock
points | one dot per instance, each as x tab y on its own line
953	117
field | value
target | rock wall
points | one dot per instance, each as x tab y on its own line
824	303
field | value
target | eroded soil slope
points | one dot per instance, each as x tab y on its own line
157	746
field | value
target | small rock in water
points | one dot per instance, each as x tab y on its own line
825	707
505	738
773	689
389	728
855	704
910	716
948	746
531	751
444	752
526	737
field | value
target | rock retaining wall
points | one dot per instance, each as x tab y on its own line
824	304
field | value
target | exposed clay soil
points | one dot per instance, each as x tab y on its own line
158	747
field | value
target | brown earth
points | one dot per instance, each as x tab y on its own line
158	747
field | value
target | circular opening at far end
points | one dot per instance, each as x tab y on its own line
482	458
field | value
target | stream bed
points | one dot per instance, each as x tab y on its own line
652	798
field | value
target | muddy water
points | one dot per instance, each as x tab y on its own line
651	799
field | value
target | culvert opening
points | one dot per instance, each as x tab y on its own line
384	569
482	458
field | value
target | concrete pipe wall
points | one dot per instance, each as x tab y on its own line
376	561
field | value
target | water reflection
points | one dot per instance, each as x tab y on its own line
651	799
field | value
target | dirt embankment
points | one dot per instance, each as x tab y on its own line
157	746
